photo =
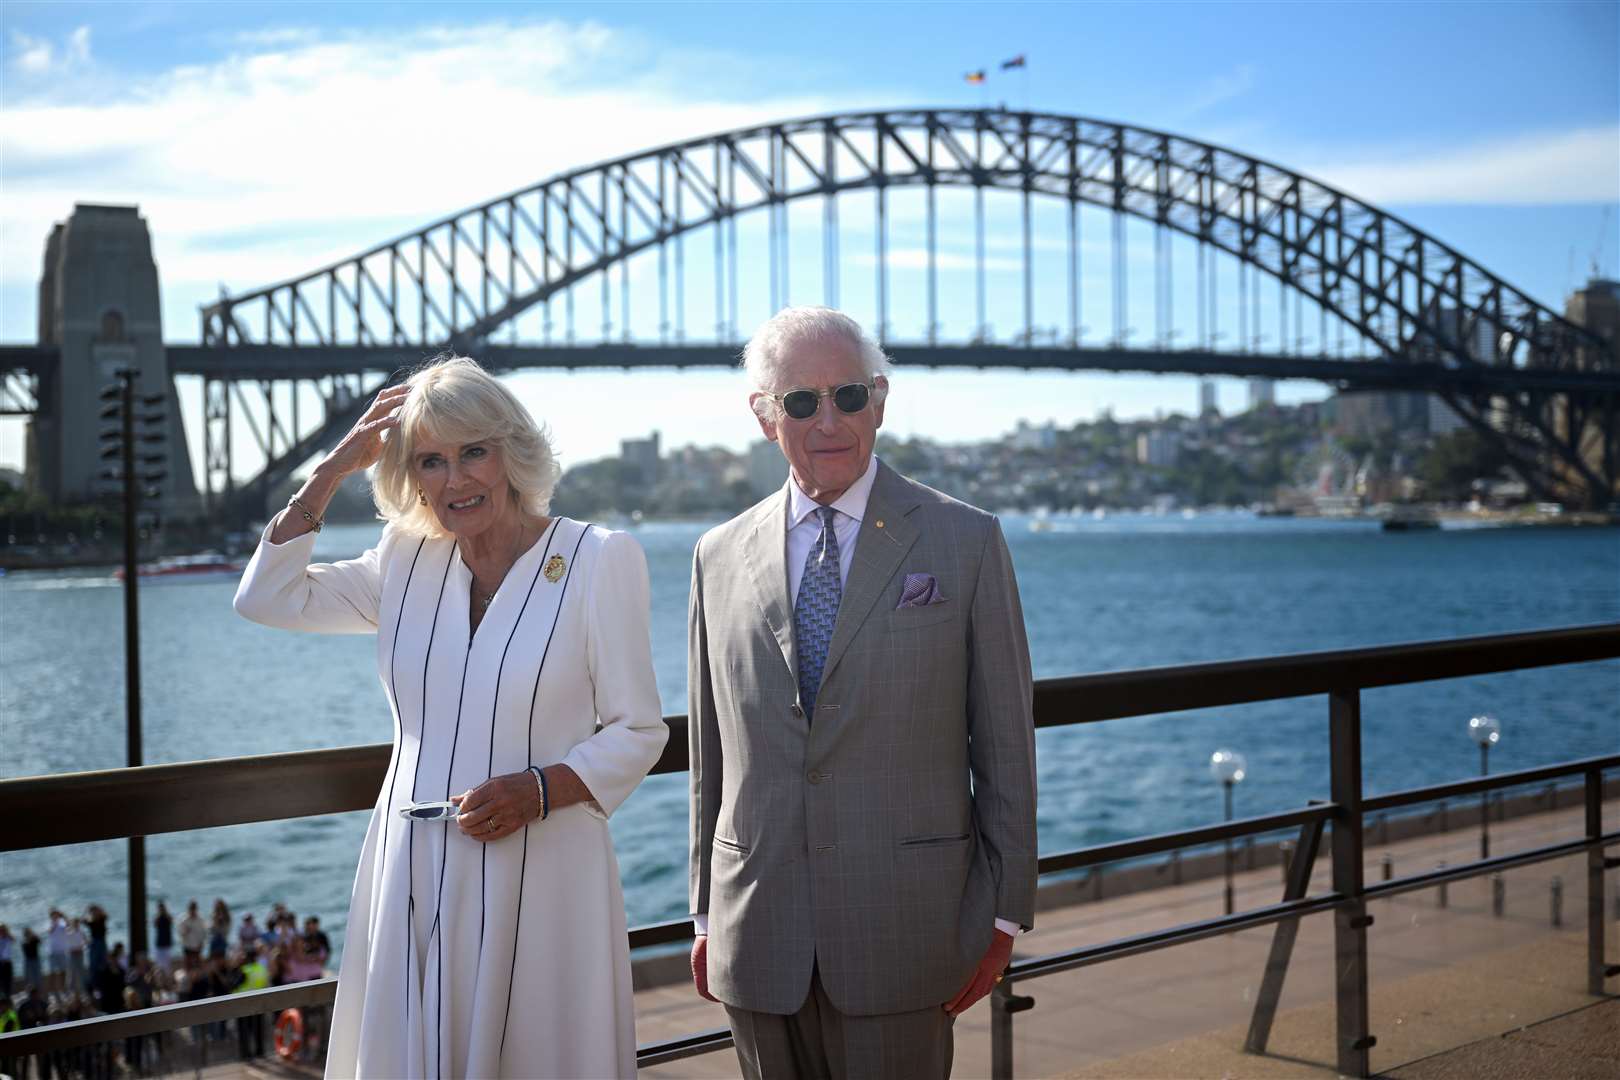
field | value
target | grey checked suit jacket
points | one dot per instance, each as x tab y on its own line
881	840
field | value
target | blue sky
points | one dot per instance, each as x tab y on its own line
263	139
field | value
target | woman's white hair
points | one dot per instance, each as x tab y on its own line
454	400
766	354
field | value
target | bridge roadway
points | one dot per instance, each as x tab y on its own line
278	362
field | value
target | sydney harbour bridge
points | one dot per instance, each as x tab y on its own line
923	223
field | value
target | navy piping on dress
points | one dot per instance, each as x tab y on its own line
444	854
494	711
523	866
416	775
399	733
434	937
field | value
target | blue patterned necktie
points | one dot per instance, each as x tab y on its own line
820	589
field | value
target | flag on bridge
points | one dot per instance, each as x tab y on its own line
975	77
1015	62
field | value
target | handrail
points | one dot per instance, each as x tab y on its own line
78	807
73	808
1136	848
1480	784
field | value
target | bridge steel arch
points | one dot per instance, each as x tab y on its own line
1412	297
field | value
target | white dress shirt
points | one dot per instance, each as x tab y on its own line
804	529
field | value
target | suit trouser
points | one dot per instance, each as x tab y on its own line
820	1043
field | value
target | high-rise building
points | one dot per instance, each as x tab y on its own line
767	468
1262	393
1443	419
1597	308
1158	448
1206	398
640	460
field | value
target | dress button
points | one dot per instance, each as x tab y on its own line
818	777
797	711
826	849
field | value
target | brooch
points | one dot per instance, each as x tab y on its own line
554	569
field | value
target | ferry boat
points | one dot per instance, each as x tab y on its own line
1406	519
204	567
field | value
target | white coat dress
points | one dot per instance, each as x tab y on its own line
465	959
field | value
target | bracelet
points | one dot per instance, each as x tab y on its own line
315	523
545	796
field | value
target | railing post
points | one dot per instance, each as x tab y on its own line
1297	884
1596	968
1003	1005
1350	919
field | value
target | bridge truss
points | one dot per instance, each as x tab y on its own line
731	206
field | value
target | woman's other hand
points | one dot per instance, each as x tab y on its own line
498	807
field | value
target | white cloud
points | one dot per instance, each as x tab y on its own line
78	46
1575	166
1220	89
31	55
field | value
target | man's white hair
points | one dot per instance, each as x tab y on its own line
766	354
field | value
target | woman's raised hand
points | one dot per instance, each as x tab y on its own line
362	446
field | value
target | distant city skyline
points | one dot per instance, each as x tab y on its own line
263	140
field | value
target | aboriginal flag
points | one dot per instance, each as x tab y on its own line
1015	62
975	77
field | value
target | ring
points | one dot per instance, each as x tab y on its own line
493	825
998	980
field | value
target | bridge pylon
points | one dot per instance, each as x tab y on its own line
99	308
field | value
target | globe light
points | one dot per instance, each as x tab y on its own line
1228	766
1485	729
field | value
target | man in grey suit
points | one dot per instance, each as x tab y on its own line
862	743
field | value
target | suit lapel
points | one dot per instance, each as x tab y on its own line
886	535
766	555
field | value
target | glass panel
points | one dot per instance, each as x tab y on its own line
1475	959
1178	1011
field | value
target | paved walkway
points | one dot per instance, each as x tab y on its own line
1441	978
1456	991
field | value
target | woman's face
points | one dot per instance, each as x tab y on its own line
465	484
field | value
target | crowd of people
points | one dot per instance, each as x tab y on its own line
70	973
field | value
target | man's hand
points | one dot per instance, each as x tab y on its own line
700	967
995	961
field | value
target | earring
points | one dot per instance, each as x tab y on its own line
421	496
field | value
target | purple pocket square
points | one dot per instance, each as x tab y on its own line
920	590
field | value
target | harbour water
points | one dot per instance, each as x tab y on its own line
1099	595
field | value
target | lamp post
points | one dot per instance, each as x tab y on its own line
133	446
1485	730
1228	767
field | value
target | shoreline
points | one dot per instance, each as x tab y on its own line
1453	520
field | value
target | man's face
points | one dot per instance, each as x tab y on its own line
829	451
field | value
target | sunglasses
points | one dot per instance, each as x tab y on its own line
801	403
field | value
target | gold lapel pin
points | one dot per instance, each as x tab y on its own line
554	569
878	523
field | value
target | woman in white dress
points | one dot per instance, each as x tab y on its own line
513	649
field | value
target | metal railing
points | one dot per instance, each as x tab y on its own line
81	807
